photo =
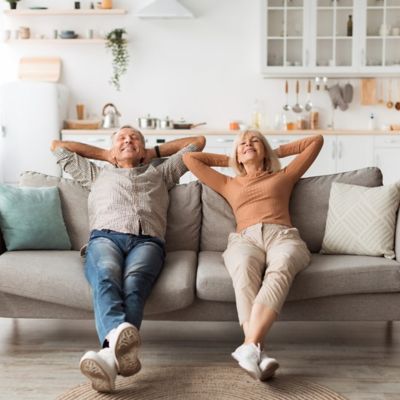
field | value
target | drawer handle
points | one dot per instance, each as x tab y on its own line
160	140
225	140
97	140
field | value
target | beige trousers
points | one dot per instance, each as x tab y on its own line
262	261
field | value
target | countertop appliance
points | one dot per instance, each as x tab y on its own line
31	116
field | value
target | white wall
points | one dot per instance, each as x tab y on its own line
203	69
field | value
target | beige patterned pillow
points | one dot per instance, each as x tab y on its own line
361	220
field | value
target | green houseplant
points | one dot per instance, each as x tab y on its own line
13	4
120	56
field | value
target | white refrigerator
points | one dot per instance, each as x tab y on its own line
31	116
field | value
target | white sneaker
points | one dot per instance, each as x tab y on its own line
268	366
100	368
124	343
248	357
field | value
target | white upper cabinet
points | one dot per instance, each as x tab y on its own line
330	37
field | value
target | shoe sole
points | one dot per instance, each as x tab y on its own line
253	374
99	378
269	372
126	352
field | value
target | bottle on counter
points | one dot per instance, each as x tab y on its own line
350	26
371	122
255	122
314	120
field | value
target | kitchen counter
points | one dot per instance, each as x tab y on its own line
200	131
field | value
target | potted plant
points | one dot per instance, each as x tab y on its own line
120	56
13	4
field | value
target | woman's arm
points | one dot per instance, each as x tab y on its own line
200	164
307	150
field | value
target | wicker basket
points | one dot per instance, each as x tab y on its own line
82	124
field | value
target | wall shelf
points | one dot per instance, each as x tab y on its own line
83	12
48	41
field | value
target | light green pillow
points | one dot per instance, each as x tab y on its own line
31	218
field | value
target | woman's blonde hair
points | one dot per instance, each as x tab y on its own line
271	161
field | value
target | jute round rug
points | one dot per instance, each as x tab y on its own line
204	383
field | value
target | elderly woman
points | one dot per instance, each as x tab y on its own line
266	252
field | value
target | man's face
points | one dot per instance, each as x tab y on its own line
128	146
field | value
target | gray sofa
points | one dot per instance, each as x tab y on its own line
194	284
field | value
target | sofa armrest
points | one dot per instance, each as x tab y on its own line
2	244
397	237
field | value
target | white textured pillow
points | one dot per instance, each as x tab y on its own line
361	220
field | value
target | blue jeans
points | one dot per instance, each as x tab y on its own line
121	269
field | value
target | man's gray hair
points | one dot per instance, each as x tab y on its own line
140	134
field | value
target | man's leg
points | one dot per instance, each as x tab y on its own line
143	264
103	270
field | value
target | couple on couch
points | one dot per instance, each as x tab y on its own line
127	206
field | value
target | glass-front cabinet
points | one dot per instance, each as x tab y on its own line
381	49
333	33
285	34
330	37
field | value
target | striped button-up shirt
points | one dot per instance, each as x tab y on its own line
126	200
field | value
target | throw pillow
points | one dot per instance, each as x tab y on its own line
31	218
361	220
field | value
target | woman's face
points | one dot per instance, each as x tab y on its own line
251	149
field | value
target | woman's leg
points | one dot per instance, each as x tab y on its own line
245	262
287	255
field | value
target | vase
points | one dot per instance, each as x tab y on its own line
13	5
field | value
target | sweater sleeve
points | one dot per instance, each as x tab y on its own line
307	151
200	165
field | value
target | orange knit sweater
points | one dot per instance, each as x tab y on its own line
264	197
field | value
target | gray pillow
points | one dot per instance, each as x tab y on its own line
184	217
308	208
218	221
73	204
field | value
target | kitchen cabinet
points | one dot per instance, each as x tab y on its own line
308	38
387	157
338	154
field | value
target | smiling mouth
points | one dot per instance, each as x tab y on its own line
249	150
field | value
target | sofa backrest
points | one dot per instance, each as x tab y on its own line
308	208
184	213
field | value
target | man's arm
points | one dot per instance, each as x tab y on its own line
172	147
84	150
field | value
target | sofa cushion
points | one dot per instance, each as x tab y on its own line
184	212
327	275
361	220
308	208
58	277
310	201
184	217
31	218
73	204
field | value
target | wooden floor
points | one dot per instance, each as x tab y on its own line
39	359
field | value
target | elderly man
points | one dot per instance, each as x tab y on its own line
127	206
